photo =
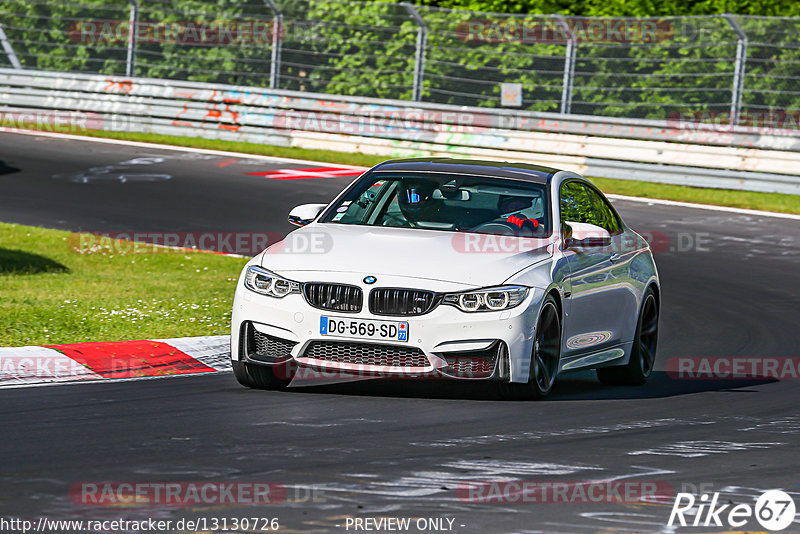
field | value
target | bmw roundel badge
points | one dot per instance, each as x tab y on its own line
370	279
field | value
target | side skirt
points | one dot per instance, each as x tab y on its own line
611	356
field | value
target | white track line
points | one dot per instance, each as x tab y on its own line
139	144
712	207
241	155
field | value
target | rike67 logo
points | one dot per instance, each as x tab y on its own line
774	510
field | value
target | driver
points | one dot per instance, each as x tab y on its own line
512	209
415	198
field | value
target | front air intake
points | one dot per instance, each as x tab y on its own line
366	354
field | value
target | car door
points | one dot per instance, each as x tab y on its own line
620	296
589	323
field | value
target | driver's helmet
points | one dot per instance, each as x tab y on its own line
415	198
510	204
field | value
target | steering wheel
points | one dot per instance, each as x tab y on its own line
395	221
497	228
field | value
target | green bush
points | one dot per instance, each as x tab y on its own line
368	49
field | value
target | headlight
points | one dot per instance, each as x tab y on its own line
266	283
490	299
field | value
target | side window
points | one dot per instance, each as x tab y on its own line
605	214
576	206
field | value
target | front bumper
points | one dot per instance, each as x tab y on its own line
444	343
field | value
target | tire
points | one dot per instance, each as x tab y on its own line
545	357
260	376
643	353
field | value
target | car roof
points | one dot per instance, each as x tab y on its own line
496	169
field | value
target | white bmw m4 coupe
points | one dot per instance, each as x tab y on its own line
501	273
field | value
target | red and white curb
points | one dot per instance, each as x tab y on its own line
79	362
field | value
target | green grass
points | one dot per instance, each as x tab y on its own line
701	195
720	197
53	294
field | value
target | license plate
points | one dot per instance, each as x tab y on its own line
363	328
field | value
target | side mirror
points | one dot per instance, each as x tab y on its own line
578	235
305	214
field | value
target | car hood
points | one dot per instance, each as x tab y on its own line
474	260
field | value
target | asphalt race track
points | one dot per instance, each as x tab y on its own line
401	449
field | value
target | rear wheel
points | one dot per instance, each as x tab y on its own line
643	353
545	357
262	376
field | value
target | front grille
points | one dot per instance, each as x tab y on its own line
333	297
366	354
473	363
392	301
266	348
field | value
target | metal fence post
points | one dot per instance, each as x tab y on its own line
277	38
738	70
133	22
9	50
419	60
569	66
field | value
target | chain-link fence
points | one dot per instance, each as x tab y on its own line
713	68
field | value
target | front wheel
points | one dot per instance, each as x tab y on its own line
261	376
545	356
643	353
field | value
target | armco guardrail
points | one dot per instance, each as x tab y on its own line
655	151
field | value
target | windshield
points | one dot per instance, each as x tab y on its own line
445	202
